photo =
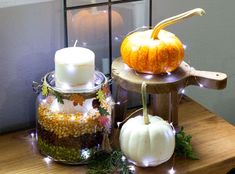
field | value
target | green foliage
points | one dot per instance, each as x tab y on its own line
58	97
183	145
107	163
100	96
103	111
45	89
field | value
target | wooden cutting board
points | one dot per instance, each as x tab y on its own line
183	76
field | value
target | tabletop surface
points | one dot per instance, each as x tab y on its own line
213	140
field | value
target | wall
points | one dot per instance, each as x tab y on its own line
29	36
210	46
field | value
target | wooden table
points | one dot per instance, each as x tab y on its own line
213	140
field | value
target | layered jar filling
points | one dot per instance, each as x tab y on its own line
72	131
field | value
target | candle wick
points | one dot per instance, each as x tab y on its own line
75	44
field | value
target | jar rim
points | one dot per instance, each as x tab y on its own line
99	80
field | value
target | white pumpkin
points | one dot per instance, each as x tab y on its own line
147	140
147	144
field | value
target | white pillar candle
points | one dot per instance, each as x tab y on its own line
74	67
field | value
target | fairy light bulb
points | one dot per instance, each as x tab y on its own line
123	158
168	73
72	118
47	160
201	86
126	67
32	134
44	101
171	171
131	168
173	128
86	154
149	76
116	38
84	43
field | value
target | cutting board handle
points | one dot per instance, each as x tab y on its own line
208	79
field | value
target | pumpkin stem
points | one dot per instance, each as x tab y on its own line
164	23
144	102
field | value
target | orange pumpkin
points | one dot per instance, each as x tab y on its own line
92	25
155	51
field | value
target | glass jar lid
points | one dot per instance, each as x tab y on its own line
99	80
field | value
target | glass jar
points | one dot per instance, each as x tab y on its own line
73	124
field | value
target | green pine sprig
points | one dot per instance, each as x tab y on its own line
103	111
183	146
108	163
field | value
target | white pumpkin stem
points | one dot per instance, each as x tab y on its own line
175	19
144	102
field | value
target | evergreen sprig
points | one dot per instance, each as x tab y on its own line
103	111
108	163
183	146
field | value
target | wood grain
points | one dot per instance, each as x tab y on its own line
213	140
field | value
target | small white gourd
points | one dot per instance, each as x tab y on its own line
147	140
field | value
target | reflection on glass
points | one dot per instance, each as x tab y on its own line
134	15
83	2
89	26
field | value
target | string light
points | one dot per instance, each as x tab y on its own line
173	128
47	160
168	73
44	101
86	154
72	118
71	68
171	171
118	123
116	38
118	103
182	91
65	86
149	76
84	43
146	163
201	86
32	135
131	168
126	67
